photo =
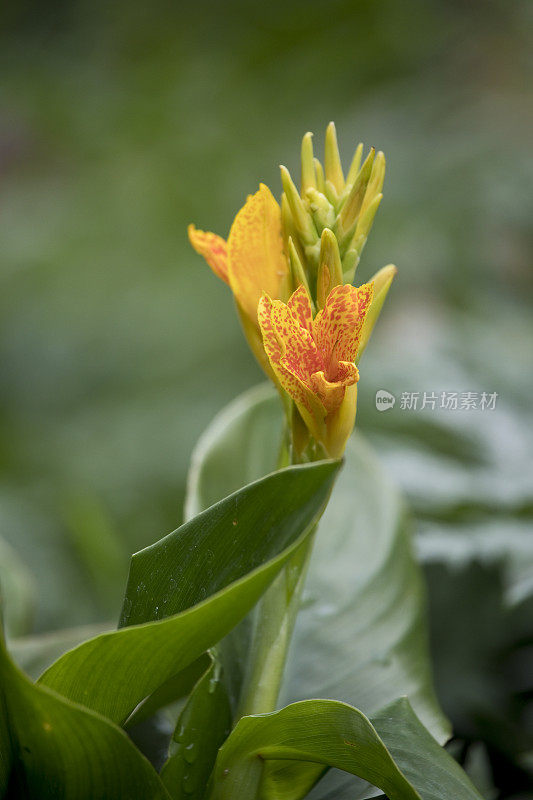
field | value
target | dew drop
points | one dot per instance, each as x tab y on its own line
189	753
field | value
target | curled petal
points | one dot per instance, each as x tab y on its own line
331	393
213	248
256	261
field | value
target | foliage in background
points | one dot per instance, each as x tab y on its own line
117	128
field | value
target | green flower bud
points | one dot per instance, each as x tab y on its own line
329	267
382	282
332	160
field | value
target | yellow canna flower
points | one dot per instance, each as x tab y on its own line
313	359
252	261
312	244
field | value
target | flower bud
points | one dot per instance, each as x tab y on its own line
332	160
382	282
330	267
302	220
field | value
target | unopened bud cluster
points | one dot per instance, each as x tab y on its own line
326	224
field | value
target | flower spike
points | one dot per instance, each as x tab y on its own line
309	246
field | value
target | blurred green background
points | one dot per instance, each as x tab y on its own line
119	124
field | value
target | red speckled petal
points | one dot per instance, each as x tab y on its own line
300	354
300	304
282	351
337	328
213	248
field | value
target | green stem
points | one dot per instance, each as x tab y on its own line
274	623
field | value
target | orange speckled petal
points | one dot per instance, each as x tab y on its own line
337	328
311	408
331	393
256	261
300	304
299	352
213	248
270	340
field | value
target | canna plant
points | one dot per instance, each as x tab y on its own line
281	629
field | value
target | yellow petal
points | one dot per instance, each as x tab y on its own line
256	261
213	248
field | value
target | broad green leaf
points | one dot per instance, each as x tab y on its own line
225	542
212	570
427	766
52	749
323	732
392	751
361	634
202	726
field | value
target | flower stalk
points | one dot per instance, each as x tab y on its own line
290	267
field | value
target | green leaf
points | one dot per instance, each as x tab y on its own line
212	571
202	726
392	751
176	688
323	732
53	749
427	766
361	634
